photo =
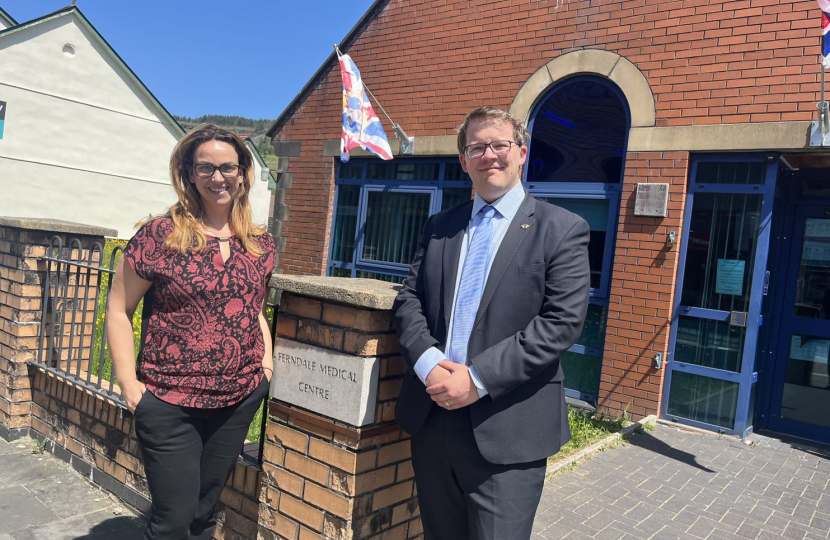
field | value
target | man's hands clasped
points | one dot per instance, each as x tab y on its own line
450	385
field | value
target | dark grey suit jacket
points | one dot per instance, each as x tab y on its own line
532	310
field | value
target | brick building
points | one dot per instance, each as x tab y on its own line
716	314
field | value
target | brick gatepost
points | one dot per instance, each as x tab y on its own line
324	478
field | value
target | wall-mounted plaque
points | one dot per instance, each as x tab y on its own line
337	385
651	200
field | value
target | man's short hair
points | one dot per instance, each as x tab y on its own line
520	135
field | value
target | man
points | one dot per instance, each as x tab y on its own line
498	290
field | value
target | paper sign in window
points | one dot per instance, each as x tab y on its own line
810	349
730	278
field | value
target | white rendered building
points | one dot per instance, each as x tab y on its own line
83	139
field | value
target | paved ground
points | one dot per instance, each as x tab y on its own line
674	483
42	498
670	483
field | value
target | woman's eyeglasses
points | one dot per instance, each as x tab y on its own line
206	170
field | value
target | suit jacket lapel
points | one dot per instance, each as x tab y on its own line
456	227
510	244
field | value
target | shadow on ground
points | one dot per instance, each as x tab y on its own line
646	441
122	528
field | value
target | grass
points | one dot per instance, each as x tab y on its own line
587	428
255	429
98	339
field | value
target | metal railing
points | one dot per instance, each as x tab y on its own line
72	343
72	339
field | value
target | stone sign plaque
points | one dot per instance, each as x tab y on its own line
652	200
337	385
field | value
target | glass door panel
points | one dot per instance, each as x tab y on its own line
709	343
704	399
802	390
721	251
394	222
595	212
806	394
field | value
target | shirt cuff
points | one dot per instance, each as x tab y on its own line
476	381
427	362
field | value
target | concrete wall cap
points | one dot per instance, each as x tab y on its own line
55	226
357	292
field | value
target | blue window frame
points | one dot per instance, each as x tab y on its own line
576	159
380	211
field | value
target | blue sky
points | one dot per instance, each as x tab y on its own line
236	57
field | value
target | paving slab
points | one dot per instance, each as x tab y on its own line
43	498
676	482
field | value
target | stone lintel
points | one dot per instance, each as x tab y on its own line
357	292
55	226
721	137
287	148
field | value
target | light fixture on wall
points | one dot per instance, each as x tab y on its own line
671	239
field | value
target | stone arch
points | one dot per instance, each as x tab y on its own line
613	67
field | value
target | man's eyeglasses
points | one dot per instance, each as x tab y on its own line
499	148
206	170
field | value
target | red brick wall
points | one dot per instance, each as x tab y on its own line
310	201
432	61
642	288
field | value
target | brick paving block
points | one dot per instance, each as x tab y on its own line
610	533
732	518
768	535
675	483
788	502
774	522
566	525
748	531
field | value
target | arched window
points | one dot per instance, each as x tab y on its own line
579	133
578	136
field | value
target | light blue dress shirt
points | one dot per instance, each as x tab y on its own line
506	208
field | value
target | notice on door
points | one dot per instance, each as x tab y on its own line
730	278
810	349
2	117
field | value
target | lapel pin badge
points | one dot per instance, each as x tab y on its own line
525	225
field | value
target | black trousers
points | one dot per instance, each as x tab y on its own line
462	496
188	456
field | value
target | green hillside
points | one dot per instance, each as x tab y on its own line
247	127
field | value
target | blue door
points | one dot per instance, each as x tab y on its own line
800	398
710	373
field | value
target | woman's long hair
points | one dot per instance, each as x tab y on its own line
187	214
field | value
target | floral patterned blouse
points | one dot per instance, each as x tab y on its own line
204	345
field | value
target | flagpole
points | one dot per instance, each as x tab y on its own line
407	143
823	116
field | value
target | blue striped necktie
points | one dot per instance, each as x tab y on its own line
471	285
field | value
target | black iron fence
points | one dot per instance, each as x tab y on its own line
73	327
72	340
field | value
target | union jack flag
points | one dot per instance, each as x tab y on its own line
361	126
825	29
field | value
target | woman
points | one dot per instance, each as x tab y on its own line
206	358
